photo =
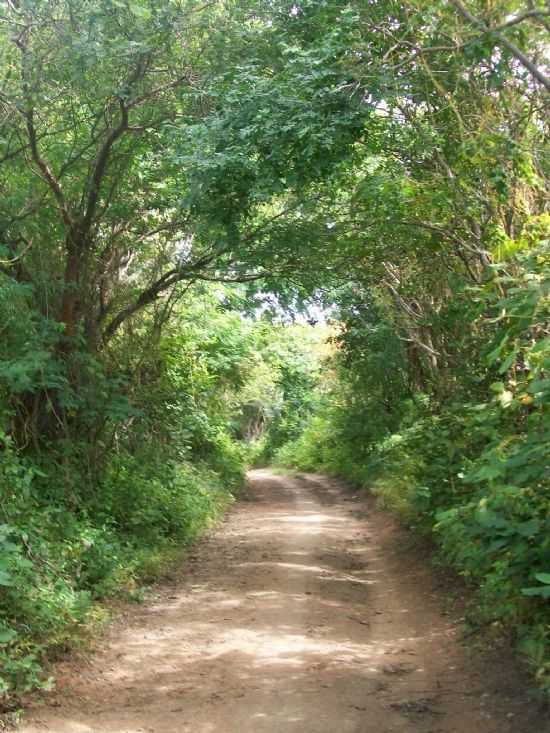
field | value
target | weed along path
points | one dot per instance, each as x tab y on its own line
305	612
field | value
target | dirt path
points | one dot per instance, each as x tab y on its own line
304	613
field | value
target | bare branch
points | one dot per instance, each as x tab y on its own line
113	134
422	345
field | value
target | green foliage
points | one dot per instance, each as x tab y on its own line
56	560
386	158
170	432
293	360
158	500
438	399
81	522
472	473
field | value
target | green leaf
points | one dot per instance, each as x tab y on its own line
140	11
539	385
5	578
529	528
543	592
7	635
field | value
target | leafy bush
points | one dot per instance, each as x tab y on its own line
54	562
471	472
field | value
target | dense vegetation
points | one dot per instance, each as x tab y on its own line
174	178
438	396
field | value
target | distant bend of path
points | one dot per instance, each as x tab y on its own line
306	611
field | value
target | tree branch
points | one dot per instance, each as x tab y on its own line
190	273
100	166
44	168
148	296
514	50
14	260
537	14
159	90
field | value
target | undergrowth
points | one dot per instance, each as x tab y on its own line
59	559
472	469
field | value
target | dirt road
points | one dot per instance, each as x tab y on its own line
305	612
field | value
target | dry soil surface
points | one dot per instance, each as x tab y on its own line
305	612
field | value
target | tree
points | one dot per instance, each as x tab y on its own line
130	170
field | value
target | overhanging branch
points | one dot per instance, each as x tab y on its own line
514	50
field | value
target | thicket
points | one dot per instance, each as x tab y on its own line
134	188
438	398
82	520
176	175
471	467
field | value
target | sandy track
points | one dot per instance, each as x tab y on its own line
305	612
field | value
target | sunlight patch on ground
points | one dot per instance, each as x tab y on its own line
296	650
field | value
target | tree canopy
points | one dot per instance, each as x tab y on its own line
178	181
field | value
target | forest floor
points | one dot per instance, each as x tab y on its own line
308	610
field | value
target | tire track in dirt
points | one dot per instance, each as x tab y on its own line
305	612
